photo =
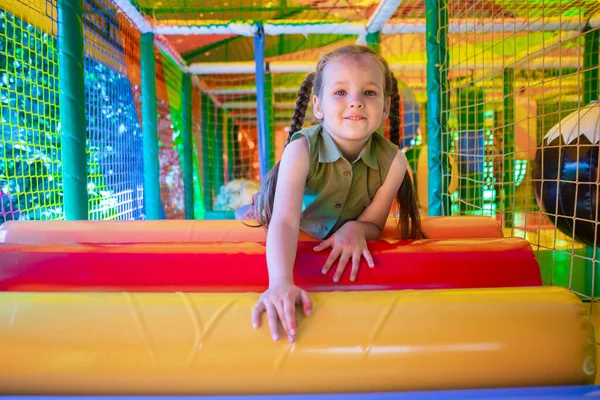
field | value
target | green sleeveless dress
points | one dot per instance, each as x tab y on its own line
336	190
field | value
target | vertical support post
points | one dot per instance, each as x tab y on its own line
207	132
590	66
509	146
239	169
188	150
374	41
269	119
152	203
231	141
437	105
72	113
591	92
471	147
226	144
263	134
218	162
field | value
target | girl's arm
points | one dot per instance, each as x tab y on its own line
282	241
282	235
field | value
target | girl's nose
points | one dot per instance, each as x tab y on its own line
356	103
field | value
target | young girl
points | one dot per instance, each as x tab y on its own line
336	180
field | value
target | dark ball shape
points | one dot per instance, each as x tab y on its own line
565	174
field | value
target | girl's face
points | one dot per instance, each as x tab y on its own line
352	103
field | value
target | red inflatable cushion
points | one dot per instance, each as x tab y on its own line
241	267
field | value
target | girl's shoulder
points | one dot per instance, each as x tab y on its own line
385	150
311	133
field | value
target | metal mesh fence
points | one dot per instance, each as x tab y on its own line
115	165
521	90
229	141
30	161
168	94
30	168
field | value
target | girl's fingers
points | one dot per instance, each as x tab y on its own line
290	317
355	264
272	318
367	255
279	306
341	266
306	303
282	309
323	245
331	259
258	309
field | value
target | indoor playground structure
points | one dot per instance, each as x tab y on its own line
134	134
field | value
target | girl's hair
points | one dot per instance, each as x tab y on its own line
409	224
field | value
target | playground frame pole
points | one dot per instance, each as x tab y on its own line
188	151
218	164
269	118
590	66
208	114
72	112
437	105
374	41
231	143
264	134
591	92
509	146
152	203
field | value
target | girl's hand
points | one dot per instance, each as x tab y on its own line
279	301
348	242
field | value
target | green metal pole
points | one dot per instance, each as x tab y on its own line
231	140
198	195
207	131
226	144
188	151
374	41
270	118
437	105
218	161
509	146
591	92
152	201
590	66
239	169
72	109
498	173
471	126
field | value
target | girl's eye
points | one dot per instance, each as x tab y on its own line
340	92
370	93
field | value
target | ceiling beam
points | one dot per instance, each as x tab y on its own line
248	67
518	25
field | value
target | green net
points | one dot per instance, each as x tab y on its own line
508	89
168	91
115	175
30	167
